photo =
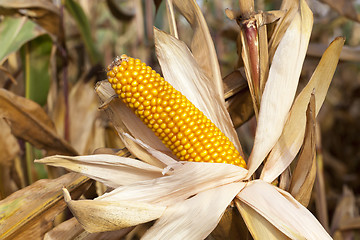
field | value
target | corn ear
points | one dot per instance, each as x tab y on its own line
172	117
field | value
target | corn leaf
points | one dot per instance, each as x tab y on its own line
281	85
44	13
36	58
15	32
290	141
30	122
83	24
29	213
9	147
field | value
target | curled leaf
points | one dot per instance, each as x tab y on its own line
30	122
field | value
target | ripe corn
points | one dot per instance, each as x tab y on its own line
172	117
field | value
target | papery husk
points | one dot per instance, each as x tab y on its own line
29	213
182	71
202	46
303	177
196	217
290	7
281	85
290	141
259	227
101	216
281	210
72	229
111	170
184	182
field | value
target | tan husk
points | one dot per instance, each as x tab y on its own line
112	170
304	174
259	227
100	216
292	136
202	46
282	211
281	85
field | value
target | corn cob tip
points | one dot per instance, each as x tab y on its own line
172	117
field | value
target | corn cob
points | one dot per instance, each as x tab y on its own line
172	117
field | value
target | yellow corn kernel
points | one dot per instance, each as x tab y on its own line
172	117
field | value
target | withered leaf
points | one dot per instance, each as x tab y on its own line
304	175
29	212
30	122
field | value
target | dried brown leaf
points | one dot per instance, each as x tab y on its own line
239	101
292	136
9	146
346	210
30	122
43	12
72	229
202	46
304	174
29	212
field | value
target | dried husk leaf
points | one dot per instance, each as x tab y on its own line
282	211
202	46
184	182
72	229
304	174
290	141
30	122
111	170
259	227
29	212
345	212
191	219
101	216
231	226
281	85
182	71
9	147
239	101
83	105
291	7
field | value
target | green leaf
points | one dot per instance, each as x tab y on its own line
36	59
84	27
15	32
